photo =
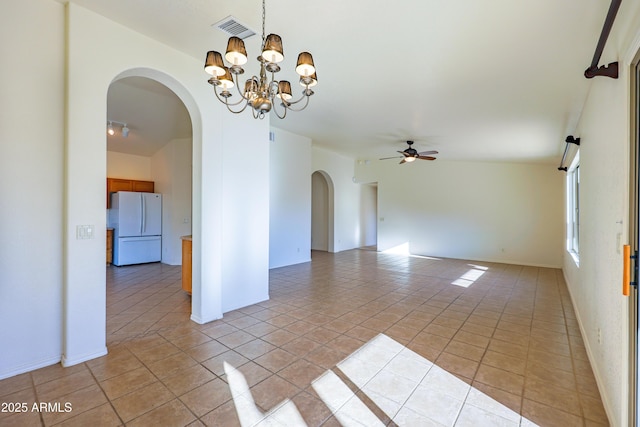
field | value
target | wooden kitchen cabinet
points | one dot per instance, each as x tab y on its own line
143	186
118	184
186	264
109	245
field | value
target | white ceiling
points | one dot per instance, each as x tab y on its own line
473	79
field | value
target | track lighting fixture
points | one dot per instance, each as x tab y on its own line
111	130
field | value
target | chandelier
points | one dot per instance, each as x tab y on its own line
261	93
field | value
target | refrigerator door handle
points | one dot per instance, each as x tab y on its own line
142	220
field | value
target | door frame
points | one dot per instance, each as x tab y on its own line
634	212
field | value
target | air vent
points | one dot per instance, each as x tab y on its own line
232	27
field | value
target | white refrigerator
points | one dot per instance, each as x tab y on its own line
137	222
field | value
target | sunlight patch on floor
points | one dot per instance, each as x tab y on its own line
403	249
285	413
469	278
396	383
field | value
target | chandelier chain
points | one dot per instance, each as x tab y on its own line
264	16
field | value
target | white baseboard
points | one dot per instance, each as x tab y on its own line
70	361
30	367
594	367
202	321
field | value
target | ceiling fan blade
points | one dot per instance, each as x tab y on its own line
426	158
426	153
402	161
403	153
387	158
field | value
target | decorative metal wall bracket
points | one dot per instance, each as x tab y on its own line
570	140
610	70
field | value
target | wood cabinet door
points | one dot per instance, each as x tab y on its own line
143	186
116	184
186	265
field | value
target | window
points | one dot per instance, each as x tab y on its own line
573	208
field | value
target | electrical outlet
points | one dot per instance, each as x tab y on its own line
599	336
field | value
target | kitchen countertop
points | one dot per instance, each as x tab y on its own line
186	237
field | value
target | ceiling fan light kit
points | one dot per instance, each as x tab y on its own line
261	93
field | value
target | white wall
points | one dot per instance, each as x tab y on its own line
346	204
54	180
500	212
31	184
595	285
245	209
128	166
224	194
290	199
171	172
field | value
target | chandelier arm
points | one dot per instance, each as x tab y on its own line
225	100
226	103
240	110
237	84
275	109
289	105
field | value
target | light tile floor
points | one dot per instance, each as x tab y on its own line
355	338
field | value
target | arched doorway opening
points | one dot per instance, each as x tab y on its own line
157	147
163	123
322	212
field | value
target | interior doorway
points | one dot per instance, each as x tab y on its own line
369	216
322	212
156	148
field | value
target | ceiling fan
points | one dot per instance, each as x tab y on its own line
411	154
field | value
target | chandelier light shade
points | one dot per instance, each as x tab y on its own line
214	64
261	92
284	90
305	65
309	81
272	51
236	52
226	80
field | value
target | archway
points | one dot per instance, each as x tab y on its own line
155	154
322	212
163	80
156	148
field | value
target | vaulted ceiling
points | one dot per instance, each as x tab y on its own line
474	79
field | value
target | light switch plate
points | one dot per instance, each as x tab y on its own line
84	232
